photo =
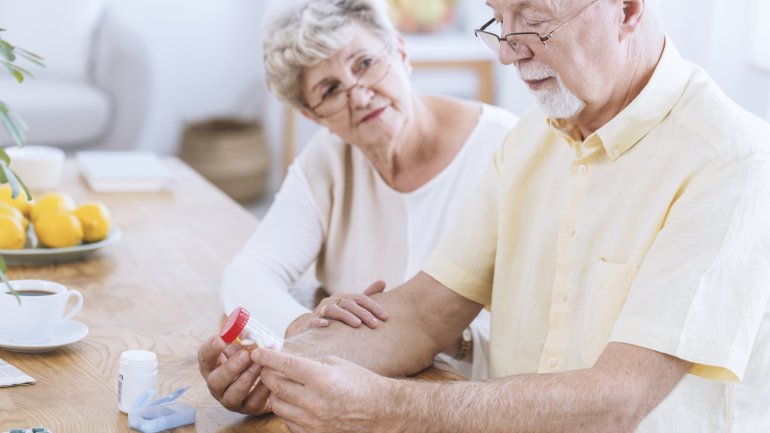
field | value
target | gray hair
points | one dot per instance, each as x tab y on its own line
304	33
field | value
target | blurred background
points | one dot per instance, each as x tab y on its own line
184	77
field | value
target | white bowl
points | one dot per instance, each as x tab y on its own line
39	167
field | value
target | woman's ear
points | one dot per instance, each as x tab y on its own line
401	50
309	115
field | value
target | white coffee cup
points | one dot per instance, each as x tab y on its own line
41	311
39	167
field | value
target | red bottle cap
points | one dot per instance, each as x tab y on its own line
236	321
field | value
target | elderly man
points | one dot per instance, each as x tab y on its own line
620	240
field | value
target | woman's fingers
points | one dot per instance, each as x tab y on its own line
372	306
258	401
219	379
319	322
376	287
336	311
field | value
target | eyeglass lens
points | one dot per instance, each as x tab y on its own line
516	42
369	76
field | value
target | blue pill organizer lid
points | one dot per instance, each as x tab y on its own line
162	414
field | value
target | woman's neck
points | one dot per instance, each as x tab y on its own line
425	145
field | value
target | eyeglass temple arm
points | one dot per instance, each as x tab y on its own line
488	23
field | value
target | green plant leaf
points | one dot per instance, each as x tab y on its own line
10	177
13	71
23	185
4	155
19	122
12	128
22	71
29	55
4	279
18	75
6	50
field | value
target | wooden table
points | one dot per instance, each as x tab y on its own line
156	289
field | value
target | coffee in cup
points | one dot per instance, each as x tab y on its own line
39	310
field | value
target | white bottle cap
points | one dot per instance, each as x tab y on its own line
138	361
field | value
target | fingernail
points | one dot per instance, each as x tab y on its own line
323	323
243	357
373	323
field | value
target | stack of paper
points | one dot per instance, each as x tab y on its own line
125	171
10	375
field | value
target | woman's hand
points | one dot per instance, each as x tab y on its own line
232	378
352	309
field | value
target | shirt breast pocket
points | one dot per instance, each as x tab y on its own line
606	288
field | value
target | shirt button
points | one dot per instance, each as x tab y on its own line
582	169
563	297
553	362
615	151
569	231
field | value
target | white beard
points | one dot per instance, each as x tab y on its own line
558	102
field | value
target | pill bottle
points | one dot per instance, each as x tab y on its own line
243	330
138	374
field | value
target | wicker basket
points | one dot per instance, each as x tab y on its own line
231	153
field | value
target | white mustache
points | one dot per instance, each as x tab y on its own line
532	71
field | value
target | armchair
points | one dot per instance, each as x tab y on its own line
95	89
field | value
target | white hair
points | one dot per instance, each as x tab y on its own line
303	33
559	102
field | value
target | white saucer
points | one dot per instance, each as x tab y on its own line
70	332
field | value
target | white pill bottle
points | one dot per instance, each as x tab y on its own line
138	373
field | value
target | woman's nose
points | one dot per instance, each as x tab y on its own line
360	96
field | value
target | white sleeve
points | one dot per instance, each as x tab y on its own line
286	242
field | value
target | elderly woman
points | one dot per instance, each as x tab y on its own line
372	193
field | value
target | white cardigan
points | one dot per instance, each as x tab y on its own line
335	210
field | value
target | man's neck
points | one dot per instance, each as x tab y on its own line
642	62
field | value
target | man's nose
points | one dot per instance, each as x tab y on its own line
509	55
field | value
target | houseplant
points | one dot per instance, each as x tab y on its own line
15	127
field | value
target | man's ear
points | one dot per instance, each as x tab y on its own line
633	14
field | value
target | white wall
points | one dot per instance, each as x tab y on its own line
206	61
206	55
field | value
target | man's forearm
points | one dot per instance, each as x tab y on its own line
593	400
404	344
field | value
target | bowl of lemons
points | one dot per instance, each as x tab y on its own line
53	228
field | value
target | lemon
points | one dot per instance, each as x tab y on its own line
12	234
58	229
20	202
51	202
10	211
95	219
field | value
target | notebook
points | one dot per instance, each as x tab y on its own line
11	376
124	171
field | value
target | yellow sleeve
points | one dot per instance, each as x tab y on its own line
465	256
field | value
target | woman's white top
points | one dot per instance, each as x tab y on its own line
335	210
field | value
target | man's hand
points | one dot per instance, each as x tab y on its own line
231	377
327	395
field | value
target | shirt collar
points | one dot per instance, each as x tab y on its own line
647	110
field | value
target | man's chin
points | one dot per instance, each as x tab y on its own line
560	109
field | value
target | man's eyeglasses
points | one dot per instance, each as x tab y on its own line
369	72
521	39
